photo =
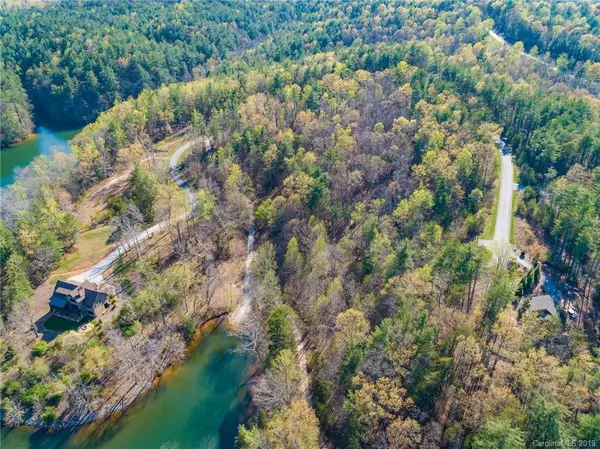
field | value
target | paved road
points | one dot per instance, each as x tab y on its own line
94	274
504	213
507	185
176	174
500	39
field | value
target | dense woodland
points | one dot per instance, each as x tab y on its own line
15	110
360	143
76	61
569	29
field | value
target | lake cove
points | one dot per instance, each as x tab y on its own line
41	142
197	405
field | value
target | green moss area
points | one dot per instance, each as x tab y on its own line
58	324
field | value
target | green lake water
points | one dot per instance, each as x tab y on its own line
45	139
198	406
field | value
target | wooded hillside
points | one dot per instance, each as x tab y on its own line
361	145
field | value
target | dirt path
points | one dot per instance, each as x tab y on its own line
302	361
244	308
98	195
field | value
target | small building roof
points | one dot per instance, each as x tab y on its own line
85	293
58	301
89	285
543	303
93	297
63	291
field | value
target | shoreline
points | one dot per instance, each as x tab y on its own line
40	119
230	319
12	145
112	411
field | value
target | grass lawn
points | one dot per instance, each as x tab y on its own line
58	277
90	247
181	203
488	232
58	324
172	142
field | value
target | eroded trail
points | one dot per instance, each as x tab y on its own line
244	308
301	351
242	311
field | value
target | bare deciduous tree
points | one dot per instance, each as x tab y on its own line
280	384
500	254
252	336
21	314
12	412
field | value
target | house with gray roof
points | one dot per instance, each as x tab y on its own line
543	305
74	301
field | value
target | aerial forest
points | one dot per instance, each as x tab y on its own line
359	142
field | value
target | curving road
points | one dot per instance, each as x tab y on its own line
95	273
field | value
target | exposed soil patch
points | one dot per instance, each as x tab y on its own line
96	198
527	239
229	288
